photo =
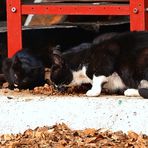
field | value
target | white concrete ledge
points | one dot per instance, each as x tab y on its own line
115	113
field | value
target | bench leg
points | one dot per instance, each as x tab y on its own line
14	26
138	15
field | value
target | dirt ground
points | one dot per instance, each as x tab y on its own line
47	90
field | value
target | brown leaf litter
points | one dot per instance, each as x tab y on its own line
61	136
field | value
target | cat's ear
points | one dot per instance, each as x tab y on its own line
57	60
56	50
57	47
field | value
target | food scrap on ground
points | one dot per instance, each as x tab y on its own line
48	90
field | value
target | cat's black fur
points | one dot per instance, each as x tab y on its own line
123	53
23	70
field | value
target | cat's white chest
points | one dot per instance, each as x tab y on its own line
80	77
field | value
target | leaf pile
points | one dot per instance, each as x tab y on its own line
61	136
48	90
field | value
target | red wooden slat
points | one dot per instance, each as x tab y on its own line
81	1
76	9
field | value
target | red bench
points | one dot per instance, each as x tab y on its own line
136	9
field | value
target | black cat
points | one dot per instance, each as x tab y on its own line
23	70
35	55
117	62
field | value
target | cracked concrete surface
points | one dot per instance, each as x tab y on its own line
110	112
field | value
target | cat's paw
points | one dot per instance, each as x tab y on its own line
92	93
131	93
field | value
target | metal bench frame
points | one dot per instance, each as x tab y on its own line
136	9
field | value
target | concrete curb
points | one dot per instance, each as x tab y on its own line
110	112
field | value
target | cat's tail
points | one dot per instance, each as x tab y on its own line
143	92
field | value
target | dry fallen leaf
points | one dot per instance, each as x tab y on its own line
61	136
133	135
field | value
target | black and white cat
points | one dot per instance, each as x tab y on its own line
113	61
